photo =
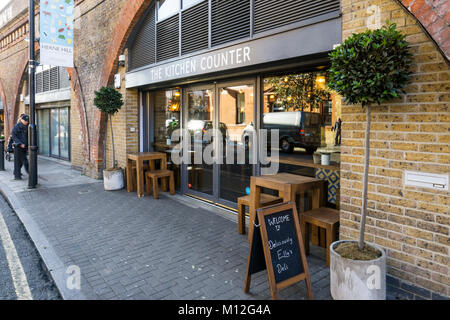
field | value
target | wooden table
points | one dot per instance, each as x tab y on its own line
288	185
140	157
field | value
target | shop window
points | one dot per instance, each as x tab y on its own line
168	8
327	113
166	115
294	105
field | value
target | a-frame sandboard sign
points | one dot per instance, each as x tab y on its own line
276	245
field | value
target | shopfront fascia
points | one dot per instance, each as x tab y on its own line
228	85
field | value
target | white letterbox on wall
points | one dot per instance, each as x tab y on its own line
427	180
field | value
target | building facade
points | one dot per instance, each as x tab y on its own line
231	65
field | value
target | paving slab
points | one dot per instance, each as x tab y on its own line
139	248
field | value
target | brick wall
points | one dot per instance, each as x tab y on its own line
434	15
125	139
94	25
412	133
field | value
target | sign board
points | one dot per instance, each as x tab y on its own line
56	33
276	245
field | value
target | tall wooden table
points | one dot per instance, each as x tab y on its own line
140	157
288	185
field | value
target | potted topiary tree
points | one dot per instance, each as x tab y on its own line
369	68
109	101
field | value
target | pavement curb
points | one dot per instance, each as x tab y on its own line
54	265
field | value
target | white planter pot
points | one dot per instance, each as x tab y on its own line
357	279
325	159
113	179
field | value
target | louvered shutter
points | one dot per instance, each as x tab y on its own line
54	78
142	52
230	20
39	77
167	38
271	14
194	28
64	81
46	80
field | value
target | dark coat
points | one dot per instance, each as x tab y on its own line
20	134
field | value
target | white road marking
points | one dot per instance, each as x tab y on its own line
15	266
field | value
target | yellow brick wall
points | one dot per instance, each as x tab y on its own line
124	121
412	133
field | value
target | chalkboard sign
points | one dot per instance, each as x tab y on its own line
283	245
276	245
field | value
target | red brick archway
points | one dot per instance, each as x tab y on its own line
5	107
81	108
129	16
11	114
434	16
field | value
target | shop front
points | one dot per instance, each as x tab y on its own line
53	112
266	73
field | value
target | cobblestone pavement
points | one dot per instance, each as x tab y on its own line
171	248
40	285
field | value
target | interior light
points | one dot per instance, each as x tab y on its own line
320	79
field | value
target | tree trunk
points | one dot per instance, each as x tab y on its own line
365	181
112	142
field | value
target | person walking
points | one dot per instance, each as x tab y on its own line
20	137
337	127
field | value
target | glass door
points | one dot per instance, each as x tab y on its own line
64	133
43	132
236	126
219	125
54	132
199	119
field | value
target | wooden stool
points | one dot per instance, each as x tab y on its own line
134	173
154	176
266	200
326	218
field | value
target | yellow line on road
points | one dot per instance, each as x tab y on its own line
15	266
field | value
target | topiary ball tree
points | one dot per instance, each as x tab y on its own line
109	101
369	68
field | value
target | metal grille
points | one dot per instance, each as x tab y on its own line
39	77
142	52
194	28
271	14
230	20
46	80
167	37
54	78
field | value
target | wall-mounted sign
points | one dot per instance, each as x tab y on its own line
56	32
312	39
